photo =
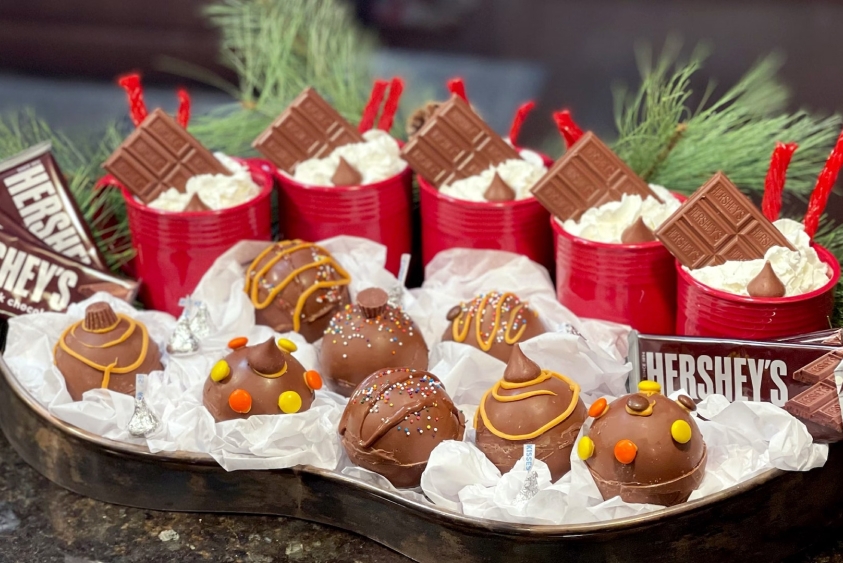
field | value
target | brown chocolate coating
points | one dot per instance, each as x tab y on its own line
394	420
369	336
663	471
246	366
499	422
89	347
766	283
276	297
497	332
499	190
346	175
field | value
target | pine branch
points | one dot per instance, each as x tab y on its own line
830	236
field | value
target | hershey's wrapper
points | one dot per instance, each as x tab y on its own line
143	421
182	341
201	324
797	377
396	293
33	192
531	483
830	336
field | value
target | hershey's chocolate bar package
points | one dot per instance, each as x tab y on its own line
797	377
33	192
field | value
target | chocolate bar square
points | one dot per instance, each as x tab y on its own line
820	368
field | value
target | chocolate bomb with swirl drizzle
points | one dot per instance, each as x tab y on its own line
530	406
298	286
394	420
105	350
493	322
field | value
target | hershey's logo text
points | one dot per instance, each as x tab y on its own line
26	277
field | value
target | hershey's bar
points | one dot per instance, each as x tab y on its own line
831	336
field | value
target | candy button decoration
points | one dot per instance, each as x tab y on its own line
681	431
220	371
289	402
649	387
287	345
238	342
585	448
686	403
312	379
625	451
240	401
598	408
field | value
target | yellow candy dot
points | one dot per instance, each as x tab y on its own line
681	431
220	371
585	448
287	345
649	387
289	402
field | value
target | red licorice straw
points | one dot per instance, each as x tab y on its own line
183	113
390	107
566	125
132	85
517	121
372	106
457	86
825	181
771	203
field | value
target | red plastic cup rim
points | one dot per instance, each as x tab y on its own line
823	254
429	188
386	182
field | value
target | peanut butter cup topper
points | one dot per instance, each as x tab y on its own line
105	350
530	405
368	336
493	322
296	286
394	420
260	379
644	447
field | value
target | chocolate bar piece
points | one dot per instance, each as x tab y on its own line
455	143
819	404
158	155
718	223
820	368
587	176
34	194
308	128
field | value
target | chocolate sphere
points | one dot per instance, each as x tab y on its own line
644	447
530	406
298	286
493	322
369	336
261	379
105	350
394	420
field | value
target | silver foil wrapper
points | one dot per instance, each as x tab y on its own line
143	421
200	322
529	490
396	292
182	341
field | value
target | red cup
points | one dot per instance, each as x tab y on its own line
703	311
174	250
381	212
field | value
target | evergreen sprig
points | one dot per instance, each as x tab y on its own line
830	235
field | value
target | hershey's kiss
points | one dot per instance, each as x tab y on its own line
182	341
196	204
766	283
498	190
520	368
372	302
346	175
637	233
143	421
529	489
266	358
200	323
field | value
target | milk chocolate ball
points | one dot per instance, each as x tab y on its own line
530	406
493	322
105	350
366	337
261	379
394	420
296	286
644	447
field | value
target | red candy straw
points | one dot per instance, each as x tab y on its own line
569	129
137	107
390	107
771	204
457	86
183	113
825	181
372	106
518	120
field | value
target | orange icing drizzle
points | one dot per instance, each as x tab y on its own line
460	333
275	375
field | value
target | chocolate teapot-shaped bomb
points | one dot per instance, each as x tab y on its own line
260	379
644	447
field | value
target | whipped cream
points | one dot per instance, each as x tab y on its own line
608	222
801	270
519	174
377	158
217	191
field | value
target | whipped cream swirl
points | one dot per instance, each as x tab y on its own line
519	174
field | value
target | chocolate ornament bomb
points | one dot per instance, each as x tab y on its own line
105	350
530	406
296	286
493	322
644	447
394	420
368	336
261	379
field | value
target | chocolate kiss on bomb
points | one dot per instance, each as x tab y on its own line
346	175
369	336
499	190
644	447
530	406
261	379
394	420
105	350
637	233
766	283
196	204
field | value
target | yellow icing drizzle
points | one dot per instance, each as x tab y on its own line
277	374
460	334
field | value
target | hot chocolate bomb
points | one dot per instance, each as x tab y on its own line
105	350
366	337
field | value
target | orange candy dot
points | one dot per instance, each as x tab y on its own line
625	451
312	379
238	342
240	401
597	408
